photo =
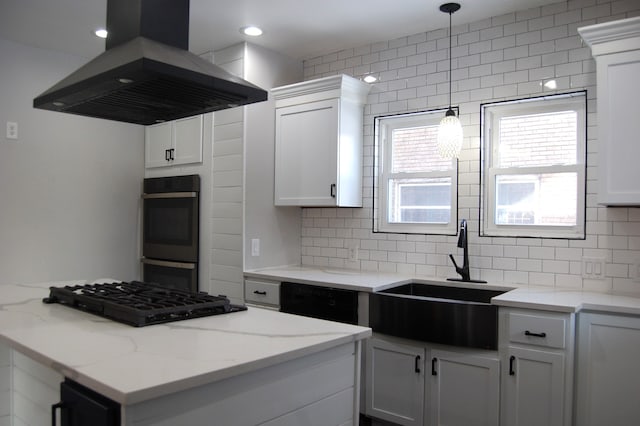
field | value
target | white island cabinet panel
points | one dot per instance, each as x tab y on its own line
5	385
274	396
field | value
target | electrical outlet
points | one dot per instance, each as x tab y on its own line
353	254
12	130
593	268
635	271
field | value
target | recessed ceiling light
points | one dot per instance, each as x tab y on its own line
101	32
370	79
251	30
551	84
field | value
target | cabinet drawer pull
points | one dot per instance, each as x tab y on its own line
512	360
261	293
417	364
528	333
434	361
332	190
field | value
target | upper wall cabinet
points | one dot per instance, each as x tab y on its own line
173	143
616	49
318	147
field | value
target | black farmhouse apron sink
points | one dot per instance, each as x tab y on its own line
437	313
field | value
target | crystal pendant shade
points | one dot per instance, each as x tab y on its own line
449	137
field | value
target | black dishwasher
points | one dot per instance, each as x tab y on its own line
81	406
328	303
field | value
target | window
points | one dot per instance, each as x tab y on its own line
416	189
533	159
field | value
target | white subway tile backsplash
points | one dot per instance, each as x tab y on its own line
625	6
503	57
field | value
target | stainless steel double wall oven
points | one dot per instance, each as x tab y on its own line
171	217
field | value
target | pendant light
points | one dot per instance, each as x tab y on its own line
450	129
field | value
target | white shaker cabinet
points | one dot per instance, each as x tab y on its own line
608	377
174	143
465	389
395	381
616	49
537	350
414	383
318	147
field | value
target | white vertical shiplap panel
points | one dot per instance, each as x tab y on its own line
5	385
35	389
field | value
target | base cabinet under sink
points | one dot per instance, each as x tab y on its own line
411	383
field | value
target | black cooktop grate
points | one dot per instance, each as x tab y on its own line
138	303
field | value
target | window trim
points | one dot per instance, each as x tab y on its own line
488	119
382	151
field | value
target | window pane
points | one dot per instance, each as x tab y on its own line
420	200
547	199
538	140
414	149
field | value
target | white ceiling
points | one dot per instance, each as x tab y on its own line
298	28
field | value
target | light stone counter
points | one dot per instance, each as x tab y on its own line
131	365
530	297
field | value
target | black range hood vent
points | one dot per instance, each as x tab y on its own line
146	75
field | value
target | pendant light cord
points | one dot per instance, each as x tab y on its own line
450	71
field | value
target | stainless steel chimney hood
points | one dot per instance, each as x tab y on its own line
147	75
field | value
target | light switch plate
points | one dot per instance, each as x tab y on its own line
255	247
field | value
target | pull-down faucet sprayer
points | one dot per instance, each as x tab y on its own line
463	243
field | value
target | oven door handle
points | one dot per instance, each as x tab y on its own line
179	265
170	195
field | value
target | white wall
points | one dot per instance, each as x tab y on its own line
504	57
69	186
277	228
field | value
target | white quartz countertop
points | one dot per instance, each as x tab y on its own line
338	278
528	297
130	364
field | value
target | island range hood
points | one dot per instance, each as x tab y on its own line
147	74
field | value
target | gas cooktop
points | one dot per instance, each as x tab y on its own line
138	303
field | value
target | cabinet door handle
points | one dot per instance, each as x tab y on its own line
172	150
512	360
529	333
261	293
167	154
54	408
332	190
416	365
434	362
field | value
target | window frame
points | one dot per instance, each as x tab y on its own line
490	113
383	127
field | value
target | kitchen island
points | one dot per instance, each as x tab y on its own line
244	368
